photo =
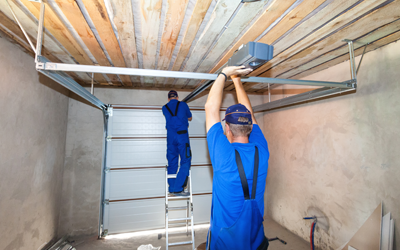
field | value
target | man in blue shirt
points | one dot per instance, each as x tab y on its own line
177	115
240	162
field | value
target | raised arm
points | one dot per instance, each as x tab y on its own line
214	100
242	96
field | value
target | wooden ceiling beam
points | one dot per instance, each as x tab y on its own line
366	24
196	19
75	17
373	46
16	36
220	16
290	20
244	16
150	17
123	20
173	22
31	29
323	33
98	13
175	14
54	25
369	38
273	12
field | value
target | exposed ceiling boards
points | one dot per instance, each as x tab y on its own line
201	35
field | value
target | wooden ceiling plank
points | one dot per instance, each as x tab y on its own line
273	12
196	19
13	31
31	28
219	17
54	25
373	46
98	13
283	53
150	18
369	38
290	20
75	17
173	23
366	24
238	24
323	17
194	24
175	13
123	20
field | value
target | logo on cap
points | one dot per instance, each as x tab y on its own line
238	114
172	93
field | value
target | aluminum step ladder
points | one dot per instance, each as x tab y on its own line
183	221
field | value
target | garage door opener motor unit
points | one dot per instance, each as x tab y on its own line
252	55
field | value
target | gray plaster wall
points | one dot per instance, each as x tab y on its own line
33	125
81	180
338	157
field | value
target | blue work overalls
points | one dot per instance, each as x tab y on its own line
247	233
178	144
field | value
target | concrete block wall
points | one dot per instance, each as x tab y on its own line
338	156
81	180
33	124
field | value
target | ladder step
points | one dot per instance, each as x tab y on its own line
180	243
171	176
177	208
178	197
175	225
179	219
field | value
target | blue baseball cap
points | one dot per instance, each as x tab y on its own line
238	114
172	93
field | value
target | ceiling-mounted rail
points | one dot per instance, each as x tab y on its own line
317	93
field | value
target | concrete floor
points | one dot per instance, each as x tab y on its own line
272	229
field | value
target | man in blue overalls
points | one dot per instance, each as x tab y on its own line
177	115
240	163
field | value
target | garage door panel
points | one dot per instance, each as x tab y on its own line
134	179
142	183
127	123
151	123
202	179
151	152
132	216
129	216
139	183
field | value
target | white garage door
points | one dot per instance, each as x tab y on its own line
134	194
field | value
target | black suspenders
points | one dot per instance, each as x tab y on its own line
243	178
176	109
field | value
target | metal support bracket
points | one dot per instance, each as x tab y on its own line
351	51
106	202
107	170
351	85
109	111
109	138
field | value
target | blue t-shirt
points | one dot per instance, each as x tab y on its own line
228	198
183	115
